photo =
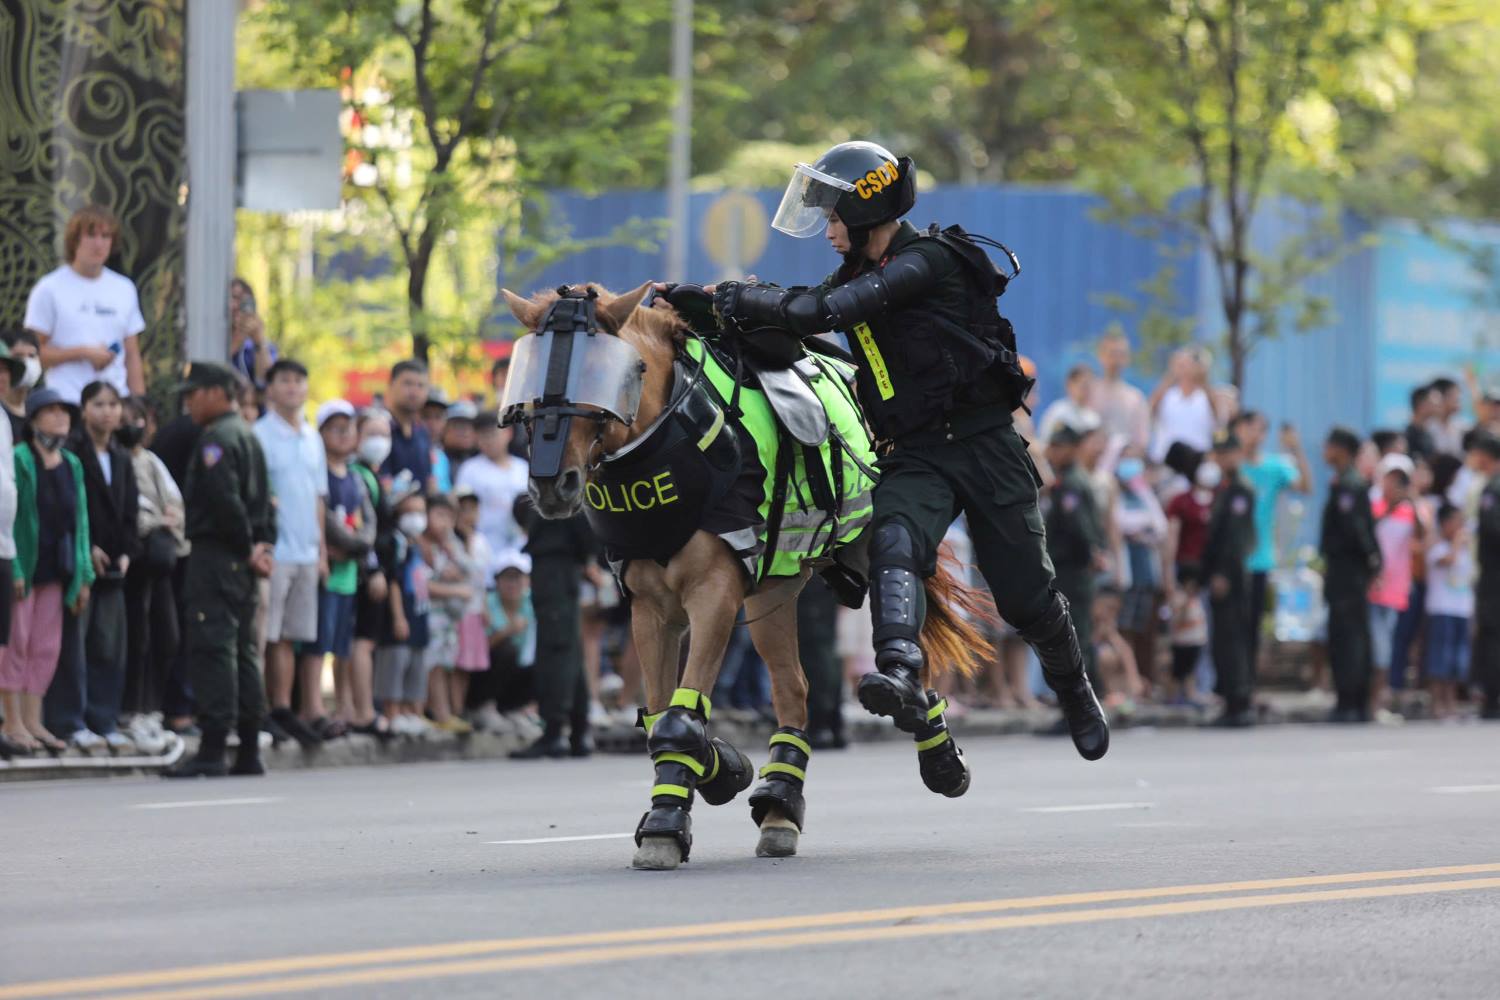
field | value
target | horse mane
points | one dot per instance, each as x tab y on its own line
655	323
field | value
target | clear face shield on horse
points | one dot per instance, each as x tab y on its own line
569	368
808	202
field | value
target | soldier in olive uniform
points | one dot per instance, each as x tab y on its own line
1484	457
1231	538
938	379
1351	559
1075	537
232	526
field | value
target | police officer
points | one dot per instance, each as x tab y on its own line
1075	536
1352	559
937	380
232	526
560	550
1484	457
1231	538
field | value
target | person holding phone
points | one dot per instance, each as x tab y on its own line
87	318
250	353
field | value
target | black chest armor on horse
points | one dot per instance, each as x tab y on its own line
947	350
646	500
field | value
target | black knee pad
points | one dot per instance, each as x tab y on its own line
730	774
783	777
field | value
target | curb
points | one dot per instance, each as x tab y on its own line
739	728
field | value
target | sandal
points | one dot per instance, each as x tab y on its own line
379	727
54	746
14	748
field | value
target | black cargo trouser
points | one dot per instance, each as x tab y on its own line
1485	662
1077	585
1350	658
1232	645
988	477
817	643
220	646
561	686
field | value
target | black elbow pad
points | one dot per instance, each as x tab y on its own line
903	278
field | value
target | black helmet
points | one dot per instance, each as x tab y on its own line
861	181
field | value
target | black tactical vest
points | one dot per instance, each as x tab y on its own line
948	351
647	500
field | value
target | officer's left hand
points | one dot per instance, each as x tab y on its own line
726	302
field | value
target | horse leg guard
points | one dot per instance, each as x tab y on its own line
730	773
941	762
898	605
780	791
681	753
1056	645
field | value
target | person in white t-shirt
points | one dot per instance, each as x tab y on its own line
1450	606
1182	405
87	317
1072	410
497	478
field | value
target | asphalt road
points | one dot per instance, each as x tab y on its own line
1285	862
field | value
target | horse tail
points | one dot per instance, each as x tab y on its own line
952	636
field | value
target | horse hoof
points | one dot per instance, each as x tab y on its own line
657	854
778	839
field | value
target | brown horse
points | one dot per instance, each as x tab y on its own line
703	586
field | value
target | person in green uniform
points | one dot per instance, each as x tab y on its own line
560	550
938	379
231	524
1231	539
1484	458
1075	536
1351	559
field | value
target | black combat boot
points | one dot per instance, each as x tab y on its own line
247	761
208	762
941	762
898	604
1056	645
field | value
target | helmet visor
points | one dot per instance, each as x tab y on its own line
808	202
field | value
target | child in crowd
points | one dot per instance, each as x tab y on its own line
401	658
1398	532
512	631
449	590
473	640
1450	605
349	527
1189	632
91	699
53	568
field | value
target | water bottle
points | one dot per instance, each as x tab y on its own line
1300	615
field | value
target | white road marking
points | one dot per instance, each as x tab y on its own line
1463	789
1089	807
196	803
564	840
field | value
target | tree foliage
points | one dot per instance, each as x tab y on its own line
460	114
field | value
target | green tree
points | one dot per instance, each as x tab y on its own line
461	113
1225	107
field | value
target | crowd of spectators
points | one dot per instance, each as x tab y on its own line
401	568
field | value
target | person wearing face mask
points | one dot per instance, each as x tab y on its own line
400	660
1141	526
154	632
52	569
231	522
22	345
377	567
1231	538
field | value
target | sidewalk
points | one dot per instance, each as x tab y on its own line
742	729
